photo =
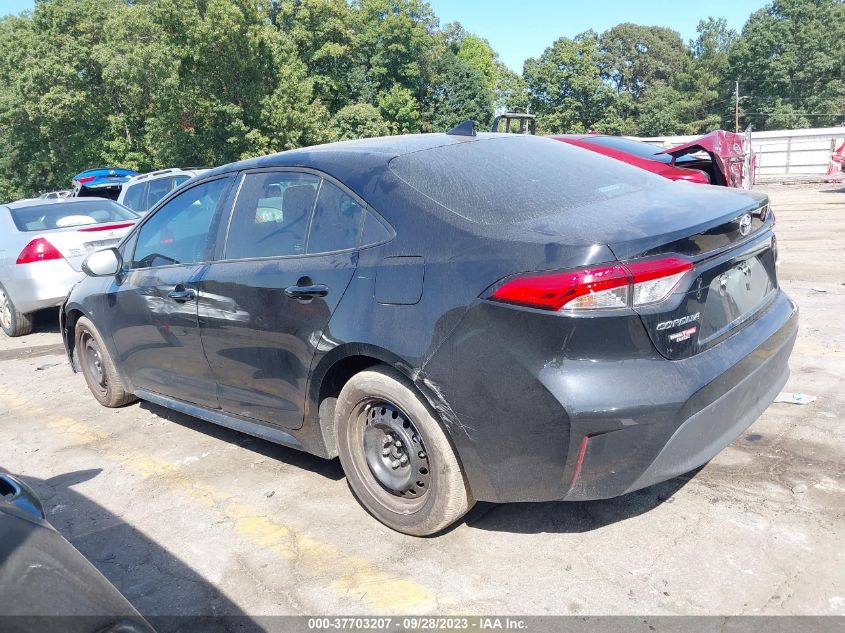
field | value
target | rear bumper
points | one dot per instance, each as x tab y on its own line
41	285
717	415
604	414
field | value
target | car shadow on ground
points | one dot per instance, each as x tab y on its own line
166	591
46	321
525	518
572	517
837	190
328	468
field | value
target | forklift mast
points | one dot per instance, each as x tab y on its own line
515	122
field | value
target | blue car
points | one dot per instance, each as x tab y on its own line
103	182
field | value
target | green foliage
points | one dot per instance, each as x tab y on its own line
158	83
458	92
359	120
323	33
400	110
566	89
397	38
635	57
790	62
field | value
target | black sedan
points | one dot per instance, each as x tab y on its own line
457	317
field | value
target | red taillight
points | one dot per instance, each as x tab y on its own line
106	227
614	285
38	250
552	291
85	179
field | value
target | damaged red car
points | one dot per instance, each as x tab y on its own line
717	158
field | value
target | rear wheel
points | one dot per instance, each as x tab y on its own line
397	459
98	368
12	322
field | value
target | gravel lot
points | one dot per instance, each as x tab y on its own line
186	518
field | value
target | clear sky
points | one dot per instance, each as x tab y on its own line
518	29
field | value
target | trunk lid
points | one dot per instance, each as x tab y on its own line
725	233
76	243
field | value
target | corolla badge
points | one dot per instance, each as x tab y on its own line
665	325
745	224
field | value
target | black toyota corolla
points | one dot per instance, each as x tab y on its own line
458	318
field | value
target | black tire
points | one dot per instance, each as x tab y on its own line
98	368
12	322
374	408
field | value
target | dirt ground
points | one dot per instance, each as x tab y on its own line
188	518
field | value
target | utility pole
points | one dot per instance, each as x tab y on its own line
736	107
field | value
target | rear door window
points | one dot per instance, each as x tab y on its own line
158	189
178	232
135	197
271	215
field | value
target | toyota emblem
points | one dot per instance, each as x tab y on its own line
745	224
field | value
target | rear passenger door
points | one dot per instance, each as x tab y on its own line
290	254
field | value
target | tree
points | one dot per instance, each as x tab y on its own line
327	42
703	89
566	88
792	51
359	120
400	110
397	40
511	91
458	92
635	57
52	116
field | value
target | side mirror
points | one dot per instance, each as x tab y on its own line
104	263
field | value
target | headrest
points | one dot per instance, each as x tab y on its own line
298	201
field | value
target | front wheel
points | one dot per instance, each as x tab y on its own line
98	368
397	459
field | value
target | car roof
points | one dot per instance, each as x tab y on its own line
368	153
39	202
163	173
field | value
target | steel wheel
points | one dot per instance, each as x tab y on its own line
5	311
99	370
397	458
92	363
394	450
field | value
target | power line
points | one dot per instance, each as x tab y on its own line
788	113
770	80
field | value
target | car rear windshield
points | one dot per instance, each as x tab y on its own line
636	148
63	215
514	178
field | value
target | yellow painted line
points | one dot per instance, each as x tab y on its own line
356	578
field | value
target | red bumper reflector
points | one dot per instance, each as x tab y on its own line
580	461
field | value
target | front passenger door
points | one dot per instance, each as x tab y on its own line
153	307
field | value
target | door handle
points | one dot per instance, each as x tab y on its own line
307	292
183	295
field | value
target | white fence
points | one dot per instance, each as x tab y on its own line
784	154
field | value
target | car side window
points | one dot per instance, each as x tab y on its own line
134	198
158	189
375	231
337	221
178	180
178	233
271	215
